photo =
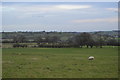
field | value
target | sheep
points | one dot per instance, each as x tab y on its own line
90	58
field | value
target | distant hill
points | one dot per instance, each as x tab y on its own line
62	35
113	33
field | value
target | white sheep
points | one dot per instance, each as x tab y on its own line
90	58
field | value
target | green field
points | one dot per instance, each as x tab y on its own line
60	62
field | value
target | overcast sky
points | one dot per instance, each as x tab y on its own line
60	16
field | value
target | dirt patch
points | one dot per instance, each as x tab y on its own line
34	58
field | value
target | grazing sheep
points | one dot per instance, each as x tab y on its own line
90	58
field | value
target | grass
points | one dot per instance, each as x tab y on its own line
60	62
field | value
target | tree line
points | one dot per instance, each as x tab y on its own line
78	40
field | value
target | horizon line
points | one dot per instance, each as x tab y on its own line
61	31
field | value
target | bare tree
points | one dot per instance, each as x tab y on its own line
19	39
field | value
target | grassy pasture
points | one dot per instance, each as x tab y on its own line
60	62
